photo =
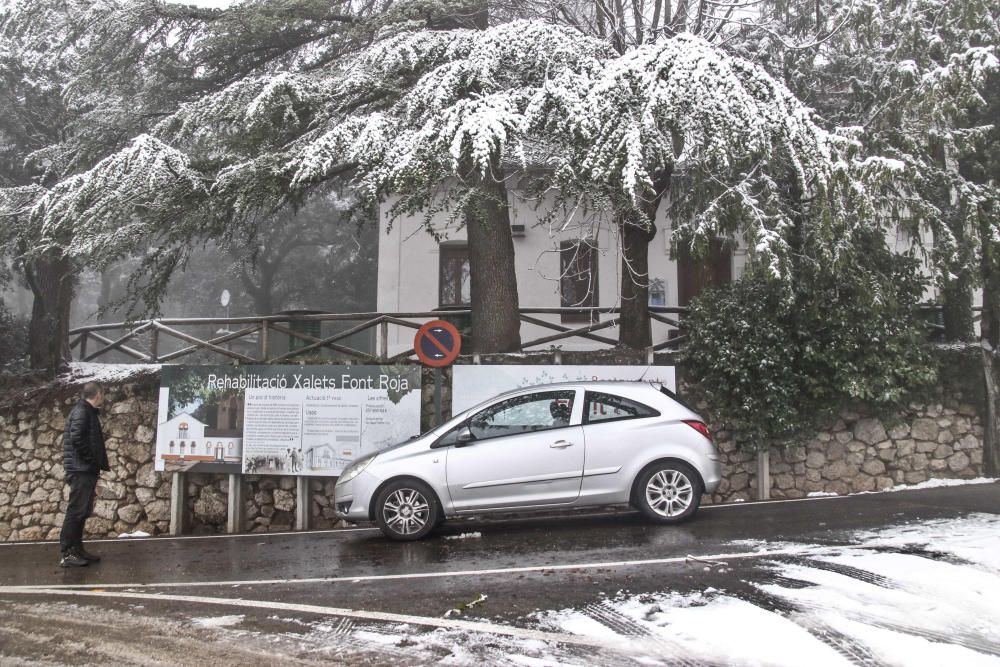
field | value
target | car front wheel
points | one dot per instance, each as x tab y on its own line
668	492
406	510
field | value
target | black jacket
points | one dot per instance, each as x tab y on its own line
83	441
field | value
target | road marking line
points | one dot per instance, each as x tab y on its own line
451	624
799	551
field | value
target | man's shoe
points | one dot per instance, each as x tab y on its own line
87	556
72	558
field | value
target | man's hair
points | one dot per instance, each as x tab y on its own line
92	389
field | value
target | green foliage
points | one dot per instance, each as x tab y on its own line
774	360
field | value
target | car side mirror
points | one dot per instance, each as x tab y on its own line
464	437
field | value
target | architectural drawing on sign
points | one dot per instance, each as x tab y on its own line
321	457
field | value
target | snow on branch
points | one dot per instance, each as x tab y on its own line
114	207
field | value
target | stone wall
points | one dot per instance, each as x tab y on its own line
33	495
857	453
863	453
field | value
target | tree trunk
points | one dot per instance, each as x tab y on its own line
956	303
989	329
635	329
636	230
53	284
496	325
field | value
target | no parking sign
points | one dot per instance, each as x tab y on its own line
437	343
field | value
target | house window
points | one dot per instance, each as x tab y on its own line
454	286
578	280
657	292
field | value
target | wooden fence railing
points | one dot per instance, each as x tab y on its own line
252	339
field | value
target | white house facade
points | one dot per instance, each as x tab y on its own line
559	262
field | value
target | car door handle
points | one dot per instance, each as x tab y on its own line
561	444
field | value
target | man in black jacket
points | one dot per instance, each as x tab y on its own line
84	457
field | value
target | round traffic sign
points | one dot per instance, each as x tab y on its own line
437	343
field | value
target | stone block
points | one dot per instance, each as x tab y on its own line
899	431
815	460
835	451
958	462
835	470
284	500
158	510
144	434
915	477
839	487
130	514
863	483
925	429
943	451
869	431
873	467
211	506
967	442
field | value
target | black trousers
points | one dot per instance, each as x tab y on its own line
82	492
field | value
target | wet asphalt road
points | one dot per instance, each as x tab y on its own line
521	565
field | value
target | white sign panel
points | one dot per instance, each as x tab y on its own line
474	384
283	420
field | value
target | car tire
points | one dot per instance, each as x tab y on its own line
406	510
667	492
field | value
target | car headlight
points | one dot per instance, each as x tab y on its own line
355	469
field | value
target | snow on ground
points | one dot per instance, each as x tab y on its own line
138	533
929	484
218	621
83	371
919	594
464	536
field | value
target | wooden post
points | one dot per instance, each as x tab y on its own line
234	519
154	344
991	431
83	345
178	500
264	327
763	474
301	503
384	341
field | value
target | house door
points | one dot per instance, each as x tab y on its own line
696	274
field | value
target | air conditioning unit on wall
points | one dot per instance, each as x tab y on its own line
517	230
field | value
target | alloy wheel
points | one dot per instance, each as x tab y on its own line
669	493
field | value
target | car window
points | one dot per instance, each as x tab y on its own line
601	407
451	437
524	414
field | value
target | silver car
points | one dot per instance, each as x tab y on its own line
540	448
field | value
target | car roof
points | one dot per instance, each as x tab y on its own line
586	384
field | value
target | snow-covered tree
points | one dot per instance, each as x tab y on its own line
725	147
919	78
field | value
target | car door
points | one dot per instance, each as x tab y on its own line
526	450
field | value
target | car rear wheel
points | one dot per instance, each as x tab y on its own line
668	492
406	510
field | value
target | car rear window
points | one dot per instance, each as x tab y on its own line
669	394
601	407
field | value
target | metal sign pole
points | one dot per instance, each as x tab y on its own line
438	381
